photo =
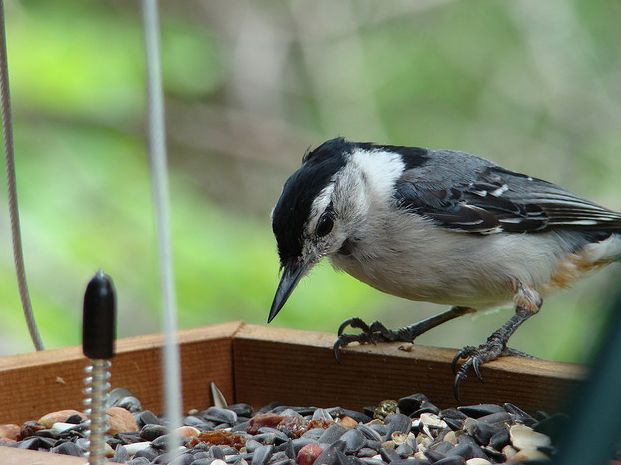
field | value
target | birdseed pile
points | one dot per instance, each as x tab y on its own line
407	431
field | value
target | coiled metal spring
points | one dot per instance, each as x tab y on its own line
96	391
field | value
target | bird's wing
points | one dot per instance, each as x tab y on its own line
480	197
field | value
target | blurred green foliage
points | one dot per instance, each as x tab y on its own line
250	85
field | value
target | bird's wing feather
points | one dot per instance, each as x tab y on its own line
480	197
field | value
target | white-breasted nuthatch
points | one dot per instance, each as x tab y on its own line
439	226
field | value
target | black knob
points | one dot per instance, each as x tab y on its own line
99	318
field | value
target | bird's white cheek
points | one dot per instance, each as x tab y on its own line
335	243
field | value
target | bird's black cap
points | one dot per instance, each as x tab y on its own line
294	205
301	189
99	318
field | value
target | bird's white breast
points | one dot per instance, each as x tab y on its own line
418	260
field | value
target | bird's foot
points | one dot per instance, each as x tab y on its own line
509	352
370	334
494	347
476	356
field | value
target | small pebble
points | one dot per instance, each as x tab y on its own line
359	417
152	431
147	417
450	437
527	455
478	461
398	423
220	415
322	415
348	422
330	455
431	419
369	433
480	431
480	410
404	450
410	404
410	431
509	451
262	455
60	427
332	434
129	403
59	416
119	421
29	428
217	452
187	432
452	413
68	448
134	448
308	454
499	439
366	452
496	418
139	461
433	455
523	437
385	408
354	440
389	455
48	433
120	455
242	410
289	449
372	461
454	424
10	431
252	445
463	450
202	461
426	407
451	461
36	443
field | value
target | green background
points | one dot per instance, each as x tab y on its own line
534	86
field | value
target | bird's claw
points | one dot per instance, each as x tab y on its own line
354	322
370	334
474	358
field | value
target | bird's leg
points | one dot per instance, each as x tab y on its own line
509	352
527	303
377	332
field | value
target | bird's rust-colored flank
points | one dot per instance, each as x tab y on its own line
572	268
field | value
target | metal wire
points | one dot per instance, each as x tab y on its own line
157	155
7	132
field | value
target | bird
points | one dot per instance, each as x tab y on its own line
440	226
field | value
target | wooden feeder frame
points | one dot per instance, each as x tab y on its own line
258	365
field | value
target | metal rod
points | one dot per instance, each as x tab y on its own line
157	154
7	132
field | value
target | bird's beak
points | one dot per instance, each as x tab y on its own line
291	275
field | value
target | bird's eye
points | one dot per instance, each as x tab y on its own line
325	225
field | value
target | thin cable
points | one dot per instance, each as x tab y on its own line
7	132
157	155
